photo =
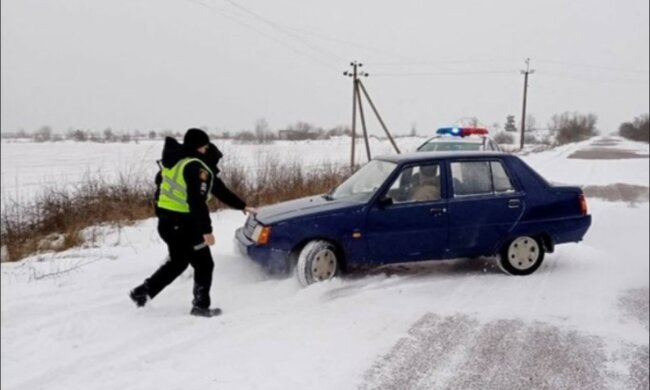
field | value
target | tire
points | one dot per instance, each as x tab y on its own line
521	256
317	262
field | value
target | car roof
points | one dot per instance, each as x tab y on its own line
419	156
475	139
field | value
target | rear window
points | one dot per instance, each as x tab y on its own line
449	146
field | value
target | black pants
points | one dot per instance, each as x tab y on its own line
181	238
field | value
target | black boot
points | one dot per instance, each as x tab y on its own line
201	296
139	295
205	312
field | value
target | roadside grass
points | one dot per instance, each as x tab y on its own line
56	218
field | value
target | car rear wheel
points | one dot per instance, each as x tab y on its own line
317	262
521	256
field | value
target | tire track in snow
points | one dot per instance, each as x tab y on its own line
458	352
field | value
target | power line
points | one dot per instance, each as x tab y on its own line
282	29
414	62
299	35
599	67
444	73
348	43
279	41
591	79
293	31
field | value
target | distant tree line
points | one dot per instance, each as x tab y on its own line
261	133
575	127
562	128
46	134
637	130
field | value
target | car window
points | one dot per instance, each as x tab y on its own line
471	178
501	180
479	178
449	146
365	182
420	183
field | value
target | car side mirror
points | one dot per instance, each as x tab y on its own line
385	201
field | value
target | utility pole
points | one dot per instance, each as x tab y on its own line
381	121
523	114
357	87
355	74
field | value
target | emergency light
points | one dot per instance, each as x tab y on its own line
461	131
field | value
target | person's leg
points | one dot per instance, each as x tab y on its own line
203	266
170	270
179	255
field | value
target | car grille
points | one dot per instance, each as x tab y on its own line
249	227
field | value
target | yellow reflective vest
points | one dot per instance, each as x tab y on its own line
173	189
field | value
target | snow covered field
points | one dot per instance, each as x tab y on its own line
580	322
29	167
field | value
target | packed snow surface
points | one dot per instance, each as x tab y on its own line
579	322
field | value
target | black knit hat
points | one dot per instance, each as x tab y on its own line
195	138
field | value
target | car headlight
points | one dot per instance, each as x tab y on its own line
261	234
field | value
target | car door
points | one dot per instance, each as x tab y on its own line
409	221
484	205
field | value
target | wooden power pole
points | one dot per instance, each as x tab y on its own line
357	87
523	113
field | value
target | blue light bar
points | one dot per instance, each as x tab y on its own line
461	131
449	131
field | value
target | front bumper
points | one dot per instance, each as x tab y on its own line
272	259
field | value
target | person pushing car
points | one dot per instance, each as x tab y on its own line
186	181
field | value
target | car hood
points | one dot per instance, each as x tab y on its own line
303	207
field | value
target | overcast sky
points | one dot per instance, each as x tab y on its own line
174	64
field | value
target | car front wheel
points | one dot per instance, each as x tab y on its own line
317	262
521	256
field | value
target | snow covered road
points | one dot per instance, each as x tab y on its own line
579	322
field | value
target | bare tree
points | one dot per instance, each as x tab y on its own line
531	123
167	133
262	131
108	135
43	134
510	124
469	121
503	137
79	135
573	127
414	130
338	131
638	130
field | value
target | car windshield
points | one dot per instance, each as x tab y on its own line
447	146
365	182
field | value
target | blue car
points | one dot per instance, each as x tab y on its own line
416	207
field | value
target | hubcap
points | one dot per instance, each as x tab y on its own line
523	253
324	265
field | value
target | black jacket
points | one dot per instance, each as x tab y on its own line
197	179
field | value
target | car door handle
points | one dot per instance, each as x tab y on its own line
514	203
438	211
